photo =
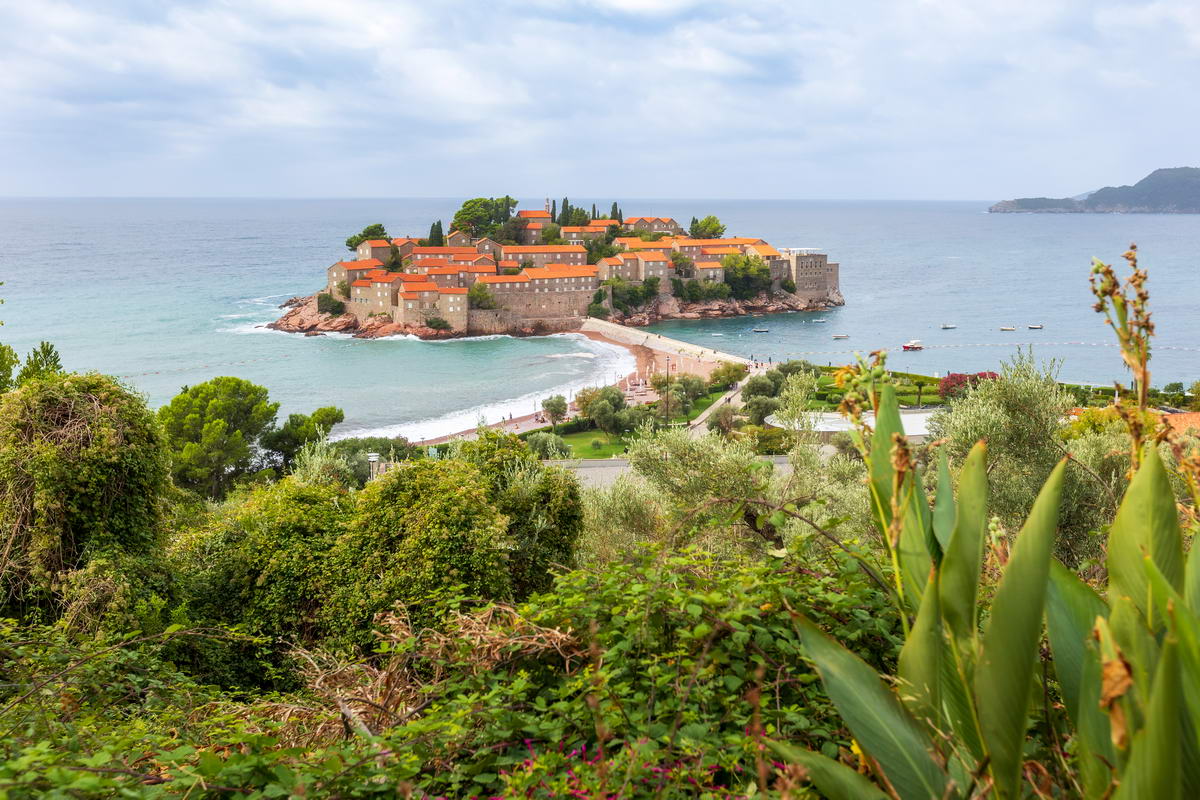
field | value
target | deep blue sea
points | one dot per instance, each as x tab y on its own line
170	292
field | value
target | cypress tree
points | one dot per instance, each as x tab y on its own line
613	214
553	210
564	213
436	236
593	210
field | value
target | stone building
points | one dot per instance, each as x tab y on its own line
652	224
444	252
710	271
578	234
458	239
348	271
542	254
816	277
374	248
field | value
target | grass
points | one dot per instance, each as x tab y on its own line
581	444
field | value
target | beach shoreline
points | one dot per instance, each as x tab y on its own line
654	354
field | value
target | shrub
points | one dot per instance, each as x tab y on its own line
421	534
597	444
758	408
479	296
759	386
548	446
343	289
83	472
956	384
788	285
327	305
437	324
597	310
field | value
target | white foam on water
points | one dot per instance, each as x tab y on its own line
607	360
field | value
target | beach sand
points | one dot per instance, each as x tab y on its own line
655	354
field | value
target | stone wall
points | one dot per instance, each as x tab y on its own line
485	322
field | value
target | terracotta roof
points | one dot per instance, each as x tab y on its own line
375	273
361	283
430	251
451	270
610	260
653	255
629	220
362	263
484	268
509	263
708	265
504	279
719	251
561	271
378	243
430	262
405	240
532	213
580	228
765	250
1181	422
545	248
686	242
410	295
392	278
534	226
604	222
450	290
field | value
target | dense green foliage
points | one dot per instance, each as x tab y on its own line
628	296
42	361
484	216
376	231
746	275
437	324
326	304
479	296
300	429
708	228
82	475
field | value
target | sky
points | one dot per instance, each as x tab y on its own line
839	99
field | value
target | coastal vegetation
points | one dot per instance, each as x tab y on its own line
376	231
708	228
1008	611
1165	191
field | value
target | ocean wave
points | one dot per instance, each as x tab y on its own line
571	355
607	360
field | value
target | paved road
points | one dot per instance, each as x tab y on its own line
603	472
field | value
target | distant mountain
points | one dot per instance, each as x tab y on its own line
1164	191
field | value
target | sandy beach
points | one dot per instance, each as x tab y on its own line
655	354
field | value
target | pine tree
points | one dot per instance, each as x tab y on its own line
615	211
564	213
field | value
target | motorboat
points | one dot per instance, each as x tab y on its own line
718	334
761	330
948	326
913	344
819	320
1008	327
1036	327
841	336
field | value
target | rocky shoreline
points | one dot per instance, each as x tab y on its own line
303	317
764	303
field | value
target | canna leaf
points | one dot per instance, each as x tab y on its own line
885	731
1153	769
887	423
1191	579
920	667
1071	612
943	504
833	779
1146	522
1004	674
916	538
959	580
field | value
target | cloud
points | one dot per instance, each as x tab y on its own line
749	98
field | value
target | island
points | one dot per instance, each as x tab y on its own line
500	270
1174	190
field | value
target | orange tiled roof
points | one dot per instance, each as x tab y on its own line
653	255
629	220
361	283
708	265
430	262
451	270
450	290
430	251
533	213
766	250
580	228
379	243
686	242
613	260
509	263
362	263
375	273
534	226
410	295
545	248
405	240
485	268
504	279
389	278
604	222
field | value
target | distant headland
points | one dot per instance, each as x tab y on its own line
1175	190
546	270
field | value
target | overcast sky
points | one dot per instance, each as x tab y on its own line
926	99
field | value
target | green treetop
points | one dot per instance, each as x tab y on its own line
482	216
376	231
708	228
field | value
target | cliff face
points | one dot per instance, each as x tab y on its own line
1164	191
667	307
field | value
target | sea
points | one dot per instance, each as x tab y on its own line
166	293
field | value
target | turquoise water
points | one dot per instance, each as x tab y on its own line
170	292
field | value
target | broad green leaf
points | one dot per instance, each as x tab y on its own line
833	779
1071	612
1191	579
1146	522
943	504
959	581
920	667
1004	675
1153	769
887	423
1131	635
884	730
916	538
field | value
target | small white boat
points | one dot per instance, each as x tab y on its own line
1036	327
761	330
1008	327
841	336
718	334
913	344
948	326
818	320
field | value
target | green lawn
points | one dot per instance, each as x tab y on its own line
581	444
